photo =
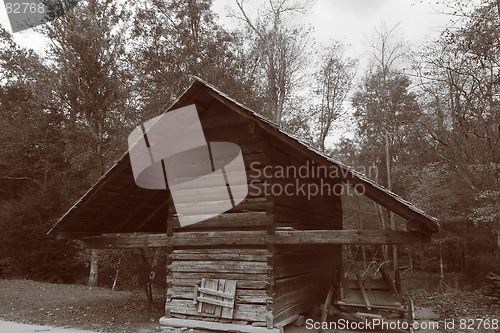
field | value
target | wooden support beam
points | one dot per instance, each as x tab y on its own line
214	238
75	234
389	282
297	237
348	237
363	292
124	241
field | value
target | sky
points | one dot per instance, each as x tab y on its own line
353	21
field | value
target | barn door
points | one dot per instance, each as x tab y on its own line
216	297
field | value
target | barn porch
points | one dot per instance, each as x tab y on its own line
282	252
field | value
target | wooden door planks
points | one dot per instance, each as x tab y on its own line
216	297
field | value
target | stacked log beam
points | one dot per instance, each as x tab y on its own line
492	288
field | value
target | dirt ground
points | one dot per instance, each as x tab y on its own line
99	309
103	310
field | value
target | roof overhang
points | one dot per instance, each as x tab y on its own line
418	220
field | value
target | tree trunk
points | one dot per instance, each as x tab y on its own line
363	251
149	276
391	215
410	258
115	280
498	243
100	153
117	271
94	269
381	218
441	266
94	259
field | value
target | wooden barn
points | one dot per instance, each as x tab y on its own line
257	266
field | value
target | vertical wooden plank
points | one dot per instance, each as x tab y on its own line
195	298
207	308
212	284
230	288
220	287
200	305
269	319
367	284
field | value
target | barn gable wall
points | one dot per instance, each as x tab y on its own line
248	265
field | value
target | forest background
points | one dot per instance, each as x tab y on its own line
427	117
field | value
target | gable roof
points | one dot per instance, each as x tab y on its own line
75	221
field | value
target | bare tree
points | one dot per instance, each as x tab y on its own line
334	81
279	49
386	49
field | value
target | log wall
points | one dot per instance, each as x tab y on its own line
248	266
